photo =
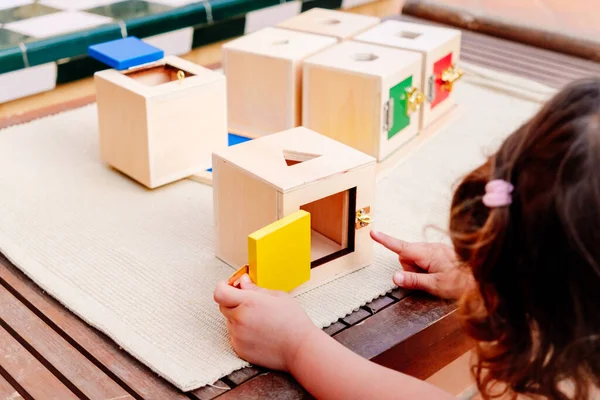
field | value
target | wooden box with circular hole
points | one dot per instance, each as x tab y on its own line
363	95
338	24
160	122
264	79
440	48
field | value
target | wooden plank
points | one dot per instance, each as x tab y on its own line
30	373
12	391
103	352
417	336
210	392
536	37
242	375
269	386
79	374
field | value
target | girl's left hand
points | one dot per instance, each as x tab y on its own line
267	328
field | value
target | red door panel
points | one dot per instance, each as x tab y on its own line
440	66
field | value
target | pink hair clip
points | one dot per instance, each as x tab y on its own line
498	193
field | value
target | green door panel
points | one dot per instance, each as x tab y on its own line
401	119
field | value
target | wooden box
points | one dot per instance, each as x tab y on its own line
363	95
338	24
161	122
441	51
262	181
264	73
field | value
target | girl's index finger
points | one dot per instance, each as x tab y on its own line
406	250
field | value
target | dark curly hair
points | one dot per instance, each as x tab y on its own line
536	312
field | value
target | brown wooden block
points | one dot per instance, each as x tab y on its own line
338	24
87	340
270	386
379	303
356	316
210	392
242	375
264	79
28	372
440	48
362	95
42	341
334	328
157	128
264	180
418	336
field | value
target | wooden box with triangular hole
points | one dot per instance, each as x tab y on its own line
262	181
440	48
363	95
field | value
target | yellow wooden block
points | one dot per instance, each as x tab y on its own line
279	254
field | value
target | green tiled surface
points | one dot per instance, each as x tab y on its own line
10	38
212	21
24	12
128	9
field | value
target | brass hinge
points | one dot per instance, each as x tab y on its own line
450	76
363	218
414	99
388	114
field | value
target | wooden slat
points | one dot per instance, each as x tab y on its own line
210	392
95	345
536	37
417	336
71	367
7	391
28	372
269	386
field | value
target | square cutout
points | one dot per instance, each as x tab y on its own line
332	226
158	75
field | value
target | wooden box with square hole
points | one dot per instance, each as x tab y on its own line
160	122
363	95
440	48
338	24
264	72
262	181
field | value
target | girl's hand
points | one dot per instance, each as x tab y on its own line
267	328
431	267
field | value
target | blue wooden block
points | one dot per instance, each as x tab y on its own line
125	53
234	139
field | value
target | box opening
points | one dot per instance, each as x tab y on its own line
409	35
157	75
332	226
364	57
294	157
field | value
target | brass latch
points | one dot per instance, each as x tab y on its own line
450	76
414	99
363	218
180	75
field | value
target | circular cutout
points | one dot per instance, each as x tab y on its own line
365	57
409	35
281	42
332	21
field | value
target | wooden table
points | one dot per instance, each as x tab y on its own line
47	352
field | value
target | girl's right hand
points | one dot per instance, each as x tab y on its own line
431	267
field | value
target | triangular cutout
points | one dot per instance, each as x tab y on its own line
294	157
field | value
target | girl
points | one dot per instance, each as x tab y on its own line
525	262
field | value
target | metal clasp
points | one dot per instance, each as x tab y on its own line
363	218
450	76
414	99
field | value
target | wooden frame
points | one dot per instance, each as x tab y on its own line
157	128
254	187
437	45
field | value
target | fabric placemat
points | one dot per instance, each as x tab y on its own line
139	264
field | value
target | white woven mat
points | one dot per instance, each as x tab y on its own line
138	264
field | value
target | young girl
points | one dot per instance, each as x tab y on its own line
525	262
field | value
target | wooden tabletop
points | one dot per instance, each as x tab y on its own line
47	352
